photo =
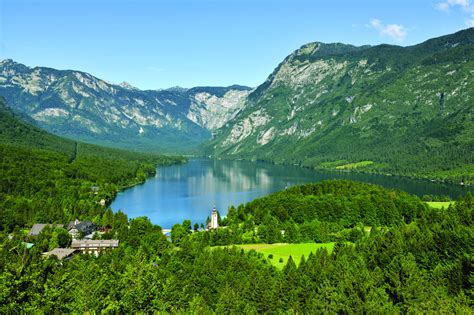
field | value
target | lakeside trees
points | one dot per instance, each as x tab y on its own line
423	266
44	186
323	212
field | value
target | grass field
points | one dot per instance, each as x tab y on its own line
354	165
284	251
439	204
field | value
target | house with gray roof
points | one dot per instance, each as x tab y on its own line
61	253
38	227
76	228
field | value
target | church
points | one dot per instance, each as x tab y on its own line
214	223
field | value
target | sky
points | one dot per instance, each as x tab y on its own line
164	43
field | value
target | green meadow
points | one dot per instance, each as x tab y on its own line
354	165
439	204
282	251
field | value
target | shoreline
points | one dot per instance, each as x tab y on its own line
352	171
123	188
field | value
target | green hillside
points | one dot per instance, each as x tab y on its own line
15	130
45	178
406	109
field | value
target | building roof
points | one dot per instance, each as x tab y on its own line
38	227
82	226
94	243
61	253
72	224
28	245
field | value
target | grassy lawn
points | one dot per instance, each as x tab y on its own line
439	204
354	165
284	251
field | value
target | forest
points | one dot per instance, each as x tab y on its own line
392	253
329	211
421	266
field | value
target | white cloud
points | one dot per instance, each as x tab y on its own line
375	23
463	3
395	31
447	5
465	6
443	6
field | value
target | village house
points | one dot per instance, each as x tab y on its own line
77	228
38	227
94	246
61	253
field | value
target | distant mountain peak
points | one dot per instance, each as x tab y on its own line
11	64
127	85
5	61
176	89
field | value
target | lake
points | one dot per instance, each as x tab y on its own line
191	190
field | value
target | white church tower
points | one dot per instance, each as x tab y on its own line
214	219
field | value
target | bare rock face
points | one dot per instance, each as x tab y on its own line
212	112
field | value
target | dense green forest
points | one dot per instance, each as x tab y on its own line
424	265
45	178
393	253
328	211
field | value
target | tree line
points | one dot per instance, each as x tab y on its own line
416	267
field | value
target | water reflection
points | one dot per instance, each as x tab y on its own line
189	191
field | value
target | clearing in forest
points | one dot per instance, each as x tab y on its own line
439	204
284	251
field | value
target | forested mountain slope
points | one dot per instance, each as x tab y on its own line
15	129
45	178
398	110
80	106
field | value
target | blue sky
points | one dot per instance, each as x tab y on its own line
159	44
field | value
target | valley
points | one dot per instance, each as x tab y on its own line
376	109
342	184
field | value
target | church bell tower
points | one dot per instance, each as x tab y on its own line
214	219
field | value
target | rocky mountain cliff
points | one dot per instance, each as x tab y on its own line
398	110
78	105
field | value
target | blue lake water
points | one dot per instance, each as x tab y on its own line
191	190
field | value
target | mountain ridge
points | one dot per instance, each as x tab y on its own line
384	108
398	107
81	106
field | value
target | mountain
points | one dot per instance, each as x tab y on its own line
389	109
78	105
